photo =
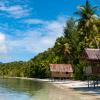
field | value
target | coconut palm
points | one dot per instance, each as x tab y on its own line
62	49
62	45
86	25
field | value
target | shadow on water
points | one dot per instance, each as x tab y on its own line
86	90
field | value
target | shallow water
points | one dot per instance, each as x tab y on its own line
19	89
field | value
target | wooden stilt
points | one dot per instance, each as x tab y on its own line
88	81
94	83
97	82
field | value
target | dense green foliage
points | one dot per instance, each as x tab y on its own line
84	33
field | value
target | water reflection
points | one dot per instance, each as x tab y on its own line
17	89
18	85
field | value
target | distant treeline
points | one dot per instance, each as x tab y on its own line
78	34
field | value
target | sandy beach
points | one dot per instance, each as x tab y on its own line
80	88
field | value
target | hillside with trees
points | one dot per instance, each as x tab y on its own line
78	34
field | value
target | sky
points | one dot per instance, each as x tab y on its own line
28	27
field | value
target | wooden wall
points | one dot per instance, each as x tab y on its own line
61	75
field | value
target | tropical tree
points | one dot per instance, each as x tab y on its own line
71	34
86	26
62	49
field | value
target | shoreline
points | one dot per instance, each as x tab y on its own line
79	88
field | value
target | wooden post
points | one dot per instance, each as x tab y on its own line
91	82
88	81
97	79
94	83
97	82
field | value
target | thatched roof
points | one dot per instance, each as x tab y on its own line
61	68
91	54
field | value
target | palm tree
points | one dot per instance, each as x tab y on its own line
62	49
62	45
86	25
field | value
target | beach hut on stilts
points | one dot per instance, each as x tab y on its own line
91	58
61	71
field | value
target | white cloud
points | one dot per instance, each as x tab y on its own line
33	40
2	37
40	39
16	11
3	48
34	21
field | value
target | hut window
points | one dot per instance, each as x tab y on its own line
66	72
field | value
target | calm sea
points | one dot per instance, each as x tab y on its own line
20	89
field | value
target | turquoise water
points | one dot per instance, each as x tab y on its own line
19	89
